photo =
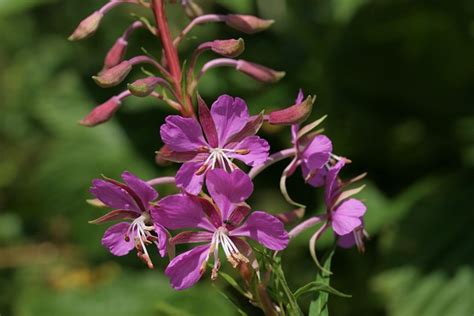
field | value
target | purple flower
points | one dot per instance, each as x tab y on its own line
343	214
130	201
222	222
224	133
313	152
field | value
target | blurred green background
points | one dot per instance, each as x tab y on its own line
395	76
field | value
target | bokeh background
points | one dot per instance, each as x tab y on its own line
395	76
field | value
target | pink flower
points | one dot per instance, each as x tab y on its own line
343	214
130	201
346	215
313	152
222	220
224	133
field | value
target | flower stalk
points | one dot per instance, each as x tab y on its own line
214	146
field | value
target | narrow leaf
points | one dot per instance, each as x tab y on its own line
319	306
232	282
317	286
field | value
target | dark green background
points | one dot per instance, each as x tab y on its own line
395	77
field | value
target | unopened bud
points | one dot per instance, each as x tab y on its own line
87	27
113	76
292	115
143	87
101	113
116	53
247	23
228	48
259	72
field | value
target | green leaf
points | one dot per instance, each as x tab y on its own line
317	286
281	281
319	306
411	292
232	282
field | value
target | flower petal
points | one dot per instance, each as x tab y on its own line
258	150
182	133
165	153
114	239
227	189
230	116
162	241
251	128
181	211
186	269
264	228
317	178
113	196
115	215
247	251
346	241
332	185
343	225
347	216
319	144
144	191
188	180
188	237
351	207
207	123
238	215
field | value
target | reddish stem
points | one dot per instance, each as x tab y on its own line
171	54
163	29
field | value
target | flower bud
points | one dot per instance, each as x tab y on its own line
294	114
101	113
116	53
228	48
259	72
143	87
113	76
87	27
247	23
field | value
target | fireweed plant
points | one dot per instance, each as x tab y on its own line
219	155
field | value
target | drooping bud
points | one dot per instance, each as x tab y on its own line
144	87
228	48
113	76
116	53
297	113
101	113
259	72
87	27
247	23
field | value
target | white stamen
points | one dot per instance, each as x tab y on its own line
218	157
231	251
141	232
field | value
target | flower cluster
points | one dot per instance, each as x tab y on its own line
220	155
